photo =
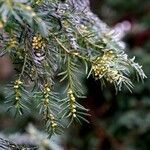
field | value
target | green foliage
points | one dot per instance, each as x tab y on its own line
49	39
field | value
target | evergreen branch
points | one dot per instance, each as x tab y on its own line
17	97
46	37
70	107
48	109
73	53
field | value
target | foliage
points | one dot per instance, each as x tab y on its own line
50	40
120	121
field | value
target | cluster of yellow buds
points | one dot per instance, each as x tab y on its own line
12	42
102	67
108	55
17	85
46	91
72	103
37	42
112	76
53	121
49	116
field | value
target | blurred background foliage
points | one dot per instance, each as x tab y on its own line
117	122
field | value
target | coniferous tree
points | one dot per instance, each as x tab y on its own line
56	44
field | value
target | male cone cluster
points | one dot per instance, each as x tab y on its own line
37	42
103	67
72	104
48	115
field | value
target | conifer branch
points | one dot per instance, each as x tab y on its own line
47	39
